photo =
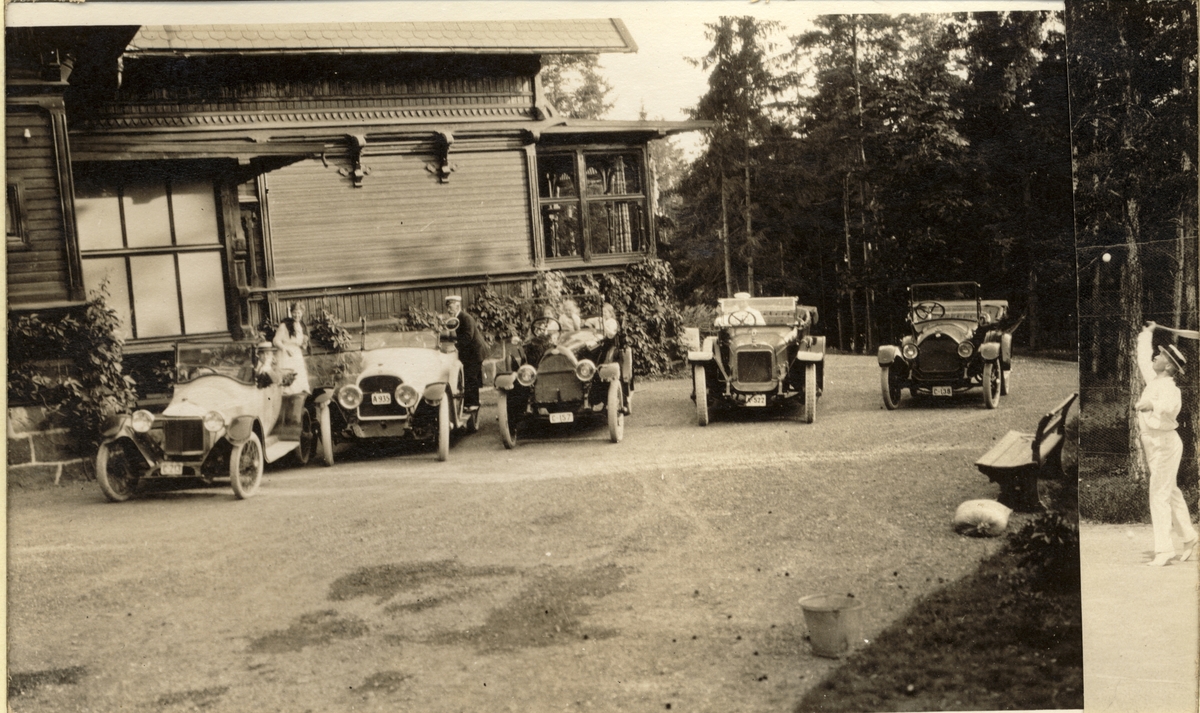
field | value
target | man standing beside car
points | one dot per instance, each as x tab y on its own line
472	346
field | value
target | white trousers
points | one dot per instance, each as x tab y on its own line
1168	511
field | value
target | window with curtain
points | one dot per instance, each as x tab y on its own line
604	214
157	243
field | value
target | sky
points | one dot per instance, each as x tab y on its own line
656	77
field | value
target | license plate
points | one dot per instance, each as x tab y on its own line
382	399
171	468
943	391
757	400
566	417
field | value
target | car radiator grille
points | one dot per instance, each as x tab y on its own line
754	367
380	385
556	381
938	356
183	435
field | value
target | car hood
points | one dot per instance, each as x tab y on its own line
215	393
760	337
414	365
957	329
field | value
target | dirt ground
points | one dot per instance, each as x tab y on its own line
661	573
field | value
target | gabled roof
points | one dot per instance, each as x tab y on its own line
491	37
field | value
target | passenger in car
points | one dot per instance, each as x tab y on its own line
291	339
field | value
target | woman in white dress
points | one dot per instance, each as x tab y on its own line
291	339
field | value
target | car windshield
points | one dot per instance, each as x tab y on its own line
757	311
573	313
234	360
945	292
422	339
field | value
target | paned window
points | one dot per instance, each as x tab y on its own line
15	228
605	214
157	242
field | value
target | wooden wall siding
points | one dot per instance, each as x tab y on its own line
38	273
377	304
402	224
475	98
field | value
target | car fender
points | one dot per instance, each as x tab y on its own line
323	397
811	348
240	429
691	338
1006	350
609	371
989	351
705	352
888	354
505	382
434	392
114	425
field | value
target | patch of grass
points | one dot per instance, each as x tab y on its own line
202	698
1008	637
21	683
314	629
1116	499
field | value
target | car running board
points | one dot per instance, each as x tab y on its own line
274	449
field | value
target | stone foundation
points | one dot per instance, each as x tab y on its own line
41	452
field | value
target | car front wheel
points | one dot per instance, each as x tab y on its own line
508	429
117	473
326	429
991	384
890	385
1005	381
616	418
246	467
700	382
308	441
810	393
443	442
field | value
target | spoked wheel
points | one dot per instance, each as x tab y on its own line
1005	381
508	428
616	419
117	473
991	384
890	385
443	441
810	393
308	441
700	383
246	467
326	430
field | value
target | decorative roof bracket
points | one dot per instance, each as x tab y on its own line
357	143
443	168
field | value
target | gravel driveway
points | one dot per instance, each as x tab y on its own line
661	573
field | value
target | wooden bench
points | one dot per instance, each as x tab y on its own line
1019	459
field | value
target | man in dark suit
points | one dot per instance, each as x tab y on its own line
472	347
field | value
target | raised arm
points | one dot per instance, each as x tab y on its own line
1145	352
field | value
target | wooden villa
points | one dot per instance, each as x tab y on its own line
211	174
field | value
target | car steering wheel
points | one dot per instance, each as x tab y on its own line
741	318
541	327
929	310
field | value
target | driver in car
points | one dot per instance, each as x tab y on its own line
746	315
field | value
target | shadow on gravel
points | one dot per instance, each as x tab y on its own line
202	698
20	684
314	629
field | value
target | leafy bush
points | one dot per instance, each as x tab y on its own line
1047	549
644	298
415	317
501	317
81	397
1117	499
325	330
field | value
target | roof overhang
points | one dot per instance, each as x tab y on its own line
143	148
596	129
533	37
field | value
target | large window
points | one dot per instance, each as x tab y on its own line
604	214
157	242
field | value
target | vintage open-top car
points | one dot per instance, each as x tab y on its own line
397	384
958	342
227	415
574	365
763	354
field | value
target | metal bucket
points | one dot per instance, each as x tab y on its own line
834	623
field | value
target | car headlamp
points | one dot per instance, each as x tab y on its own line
909	351
966	349
526	375
585	370
213	421
349	396
407	396
141	421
